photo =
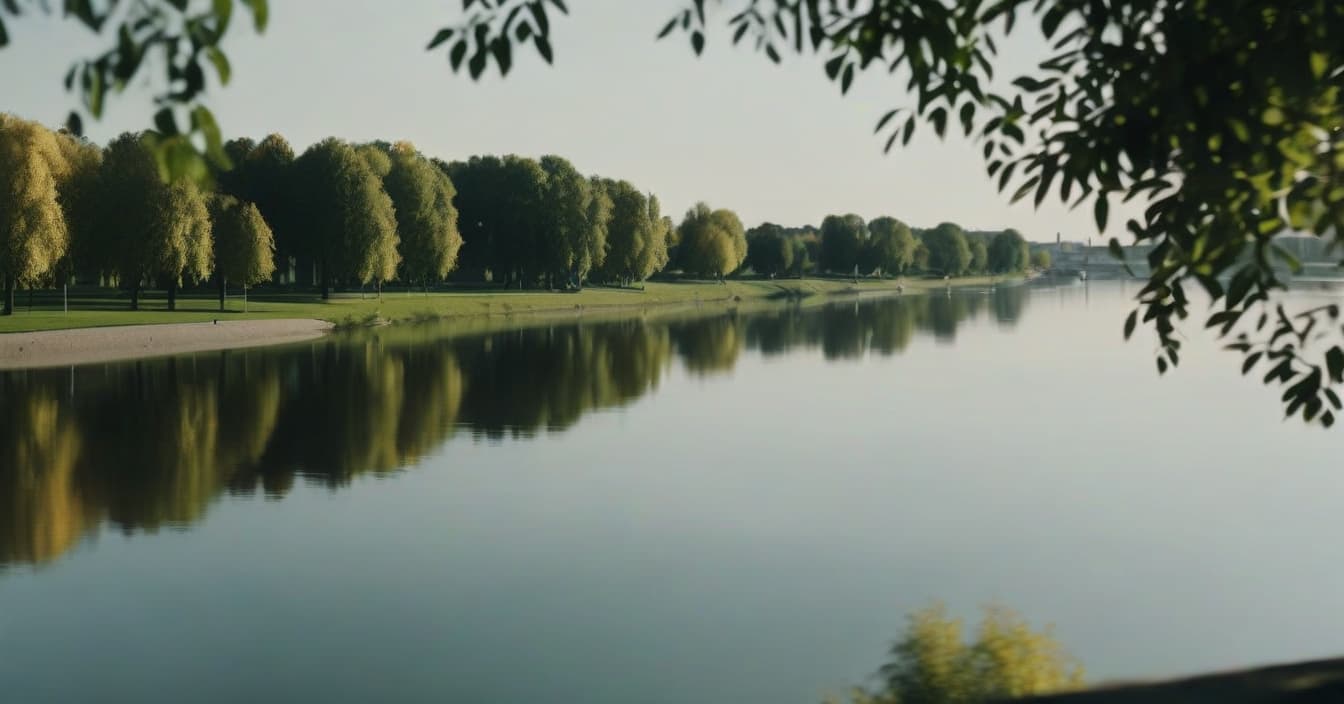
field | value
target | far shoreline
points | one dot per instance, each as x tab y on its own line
99	336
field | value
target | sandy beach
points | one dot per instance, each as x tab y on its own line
59	348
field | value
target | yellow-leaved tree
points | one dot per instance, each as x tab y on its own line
33	233
244	246
932	664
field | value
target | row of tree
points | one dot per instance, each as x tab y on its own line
885	246
354	214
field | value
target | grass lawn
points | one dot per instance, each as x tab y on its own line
97	308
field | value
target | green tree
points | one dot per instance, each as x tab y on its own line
949	252
712	241
262	174
422	196
33	233
79	197
731	224
655	255
499	201
244	245
573	218
636	239
1041	259
921	258
156	229
229	178
351	227
181	239
842	239
891	245
932	663
1008	252
802	256
979	255
769	252
811	240
594	241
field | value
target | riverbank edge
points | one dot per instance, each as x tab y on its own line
117	343
63	348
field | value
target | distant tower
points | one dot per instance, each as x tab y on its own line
1059	243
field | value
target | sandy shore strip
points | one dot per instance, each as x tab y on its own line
59	348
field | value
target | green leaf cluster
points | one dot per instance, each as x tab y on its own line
422	196
350	226
949	251
154	230
713	242
843	238
933	663
769	251
34	235
244	246
637	235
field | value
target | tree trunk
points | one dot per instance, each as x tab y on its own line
9	295
172	296
223	287
135	297
326	282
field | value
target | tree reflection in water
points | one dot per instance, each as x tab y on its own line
151	444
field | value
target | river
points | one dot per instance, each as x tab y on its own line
676	508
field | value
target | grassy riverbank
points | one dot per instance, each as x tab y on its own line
107	308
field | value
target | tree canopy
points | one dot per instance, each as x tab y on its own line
842	239
498	201
422	196
1008	252
33	232
891	245
949	252
713	242
636	234
78	193
155	229
350	225
769	252
244	245
979	255
261	174
933	664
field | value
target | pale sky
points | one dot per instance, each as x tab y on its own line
775	143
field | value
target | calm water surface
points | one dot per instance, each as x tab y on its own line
740	507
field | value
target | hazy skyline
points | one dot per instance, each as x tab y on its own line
775	143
